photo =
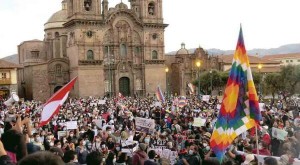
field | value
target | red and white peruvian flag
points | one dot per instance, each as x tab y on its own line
52	106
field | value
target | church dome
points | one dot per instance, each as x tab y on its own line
183	50
57	19
121	6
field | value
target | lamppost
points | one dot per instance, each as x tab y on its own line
211	88
259	84
110	77
198	64
167	82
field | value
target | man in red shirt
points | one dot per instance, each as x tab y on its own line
262	149
266	136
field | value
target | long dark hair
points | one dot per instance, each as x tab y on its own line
14	141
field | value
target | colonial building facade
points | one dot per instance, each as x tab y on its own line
110	50
8	78
183	69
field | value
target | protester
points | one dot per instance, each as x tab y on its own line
140	156
151	160
111	128
41	158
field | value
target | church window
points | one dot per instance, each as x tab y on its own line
3	75
90	55
35	54
151	8
56	35
58	69
137	51
123	50
106	50
87	5
89	34
154	55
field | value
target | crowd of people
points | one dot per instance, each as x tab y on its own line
105	132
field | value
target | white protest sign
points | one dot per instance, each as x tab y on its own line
279	134
205	98
61	134
166	153
143	122
198	122
157	104
98	123
101	102
93	104
173	156
262	106
71	124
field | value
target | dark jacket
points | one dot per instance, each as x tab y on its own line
193	159
5	160
149	162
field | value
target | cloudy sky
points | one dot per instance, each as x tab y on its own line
208	23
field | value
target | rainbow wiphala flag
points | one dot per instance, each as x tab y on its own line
159	95
239	109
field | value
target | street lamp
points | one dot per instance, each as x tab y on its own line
211	88
259	84
198	64
167	82
110	75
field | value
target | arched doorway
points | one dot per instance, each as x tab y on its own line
56	88
124	86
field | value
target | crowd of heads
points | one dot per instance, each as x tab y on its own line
103	125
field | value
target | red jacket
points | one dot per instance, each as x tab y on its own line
267	139
262	151
139	157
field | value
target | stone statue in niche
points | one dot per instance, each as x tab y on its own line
123	67
123	30
71	38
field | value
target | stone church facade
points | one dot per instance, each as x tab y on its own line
183	69
110	50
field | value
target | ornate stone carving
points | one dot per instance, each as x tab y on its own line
108	37
90	62
124	31
155	61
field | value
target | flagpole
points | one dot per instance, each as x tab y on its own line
257	149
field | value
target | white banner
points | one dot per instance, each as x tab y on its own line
61	134
262	106
279	134
101	102
198	122
205	98
71	124
143	122
157	104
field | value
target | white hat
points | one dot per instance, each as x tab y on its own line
249	158
265	127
